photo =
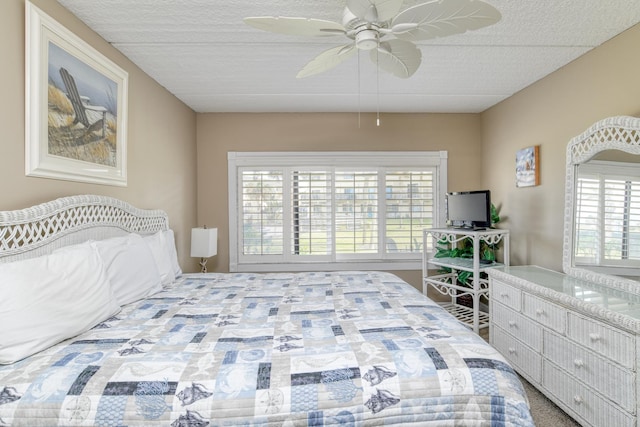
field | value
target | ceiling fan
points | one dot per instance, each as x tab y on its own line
380	27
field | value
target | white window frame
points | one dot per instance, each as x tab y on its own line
308	160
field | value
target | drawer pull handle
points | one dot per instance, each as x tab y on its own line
579	363
539	312
512	350
504	295
512	323
578	399
594	337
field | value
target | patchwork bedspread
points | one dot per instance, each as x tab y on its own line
352	348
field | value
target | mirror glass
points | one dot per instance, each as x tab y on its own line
602	203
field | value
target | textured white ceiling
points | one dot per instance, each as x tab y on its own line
203	53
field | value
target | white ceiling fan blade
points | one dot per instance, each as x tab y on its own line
327	60
398	57
374	10
441	18
295	26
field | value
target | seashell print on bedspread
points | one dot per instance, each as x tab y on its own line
334	348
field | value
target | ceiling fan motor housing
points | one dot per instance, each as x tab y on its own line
365	33
367	39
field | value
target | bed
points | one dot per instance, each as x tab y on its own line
319	348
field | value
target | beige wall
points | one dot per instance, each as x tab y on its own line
549	113
161	134
218	134
164	134
602	83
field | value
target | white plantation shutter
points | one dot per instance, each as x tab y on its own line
290	209
409	209
588	219
261	210
311	212
622	219
356	194
608	215
633	240
615	215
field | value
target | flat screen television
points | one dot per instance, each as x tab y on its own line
469	209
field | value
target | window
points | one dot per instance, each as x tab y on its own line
347	210
608	215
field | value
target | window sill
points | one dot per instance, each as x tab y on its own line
323	266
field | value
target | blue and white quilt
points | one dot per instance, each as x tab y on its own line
318	349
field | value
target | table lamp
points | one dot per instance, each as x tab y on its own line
204	244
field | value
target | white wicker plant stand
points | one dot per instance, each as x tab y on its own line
447	283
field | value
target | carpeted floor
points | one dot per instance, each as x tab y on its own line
545	413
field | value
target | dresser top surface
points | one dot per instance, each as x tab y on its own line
571	288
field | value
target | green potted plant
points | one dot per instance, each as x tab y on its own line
465	250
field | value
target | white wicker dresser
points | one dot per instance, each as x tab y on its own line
573	339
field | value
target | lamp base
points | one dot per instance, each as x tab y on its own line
203	265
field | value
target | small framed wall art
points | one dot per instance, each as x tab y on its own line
528	167
76	118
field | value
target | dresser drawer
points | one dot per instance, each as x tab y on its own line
519	326
505	294
524	359
596	410
610	379
613	343
544	312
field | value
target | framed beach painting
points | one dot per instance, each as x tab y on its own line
76	107
528	167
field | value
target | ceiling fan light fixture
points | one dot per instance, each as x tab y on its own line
367	39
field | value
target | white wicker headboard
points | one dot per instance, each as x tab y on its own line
40	229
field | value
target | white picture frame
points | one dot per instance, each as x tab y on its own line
76	107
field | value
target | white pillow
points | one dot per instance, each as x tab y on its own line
173	254
130	267
48	299
158	246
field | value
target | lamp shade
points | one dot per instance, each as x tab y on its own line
204	242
